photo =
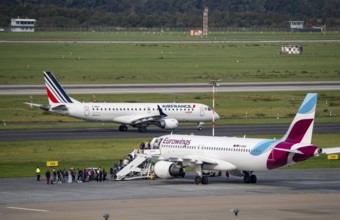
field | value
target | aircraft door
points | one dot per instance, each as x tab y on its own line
202	111
86	111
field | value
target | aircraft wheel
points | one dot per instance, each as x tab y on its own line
198	180
204	180
123	128
246	179
253	179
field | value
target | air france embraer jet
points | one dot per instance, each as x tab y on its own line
239	156
139	115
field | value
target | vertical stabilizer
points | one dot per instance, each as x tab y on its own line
55	92
301	129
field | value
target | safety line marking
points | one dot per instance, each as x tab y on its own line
26	209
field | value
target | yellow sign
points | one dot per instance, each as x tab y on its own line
52	163
333	156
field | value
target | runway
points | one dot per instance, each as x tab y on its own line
173	88
279	194
111	133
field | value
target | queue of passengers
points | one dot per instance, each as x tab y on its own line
79	175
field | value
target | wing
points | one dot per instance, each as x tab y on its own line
216	164
333	150
141	119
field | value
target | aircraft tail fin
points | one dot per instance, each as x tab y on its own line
301	129
55	92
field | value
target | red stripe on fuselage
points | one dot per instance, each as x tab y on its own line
51	96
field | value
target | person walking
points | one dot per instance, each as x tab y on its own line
48	176
37	171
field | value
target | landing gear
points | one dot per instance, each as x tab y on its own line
249	178
199	125
123	128
201	180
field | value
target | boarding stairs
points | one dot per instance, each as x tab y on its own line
140	167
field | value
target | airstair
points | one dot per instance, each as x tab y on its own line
141	167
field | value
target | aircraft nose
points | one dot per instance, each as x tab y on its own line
217	116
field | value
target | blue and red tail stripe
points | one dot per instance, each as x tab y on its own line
55	92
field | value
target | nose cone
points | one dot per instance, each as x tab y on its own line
217	116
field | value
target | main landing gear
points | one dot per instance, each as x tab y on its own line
123	128
201	180
249	177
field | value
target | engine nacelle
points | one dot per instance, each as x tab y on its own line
169	123
167	170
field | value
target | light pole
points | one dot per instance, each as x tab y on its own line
213	82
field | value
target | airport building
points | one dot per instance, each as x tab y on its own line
22	25
298	26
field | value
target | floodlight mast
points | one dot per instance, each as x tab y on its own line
213	82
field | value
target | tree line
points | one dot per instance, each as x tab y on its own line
171	13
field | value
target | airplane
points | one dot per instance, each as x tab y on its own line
137	115
239	156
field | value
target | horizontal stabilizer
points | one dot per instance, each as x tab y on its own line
44	107
289	150
333	150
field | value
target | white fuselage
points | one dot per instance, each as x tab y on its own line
236	151
126	112
230	153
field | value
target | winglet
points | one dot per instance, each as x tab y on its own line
161	113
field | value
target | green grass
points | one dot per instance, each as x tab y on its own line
73	63
155	35
19	159
234	108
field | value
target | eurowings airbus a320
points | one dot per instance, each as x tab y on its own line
239	156
137	115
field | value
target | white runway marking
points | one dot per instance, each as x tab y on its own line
26	209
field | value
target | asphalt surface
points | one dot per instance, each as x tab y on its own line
108	133
279	194
173	88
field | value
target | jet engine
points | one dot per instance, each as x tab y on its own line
168	123
167	170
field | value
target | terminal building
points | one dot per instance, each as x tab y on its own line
22	25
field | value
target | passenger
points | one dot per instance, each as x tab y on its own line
59	173
111	173
54	173
100	174
73	175
69	180
65	176
121	164
48	176
126	162
104	175
80	176
37	171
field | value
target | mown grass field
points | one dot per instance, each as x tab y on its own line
19	159
81	63
245	108
168	35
